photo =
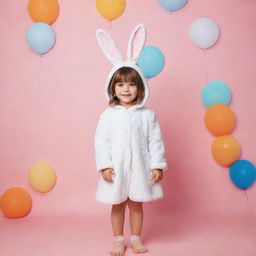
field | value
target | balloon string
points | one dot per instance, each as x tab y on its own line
110	25
248	205
205	66
39	78
39	75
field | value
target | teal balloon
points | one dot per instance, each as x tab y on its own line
41	37
172	5
216	92
242	173
151	61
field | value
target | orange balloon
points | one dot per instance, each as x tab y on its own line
110	9
219	119
226	150
15	203
46	11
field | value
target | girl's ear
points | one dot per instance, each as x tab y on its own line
108	47
136	42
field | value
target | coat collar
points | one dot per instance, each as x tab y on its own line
134	107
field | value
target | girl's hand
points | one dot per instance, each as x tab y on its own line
107	174
157	175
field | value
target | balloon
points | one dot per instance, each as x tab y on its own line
204	32
110	9
226	150
15	203
151	61
216	92
242	173
41	37
42	177
219	119
172	5
46	11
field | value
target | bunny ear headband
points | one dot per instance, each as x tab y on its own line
135	45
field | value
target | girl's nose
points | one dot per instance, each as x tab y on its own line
126	87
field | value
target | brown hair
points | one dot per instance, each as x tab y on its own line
125	74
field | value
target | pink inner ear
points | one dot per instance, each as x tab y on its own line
109	48
137	43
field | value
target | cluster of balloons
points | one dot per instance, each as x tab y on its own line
219	118
40	36
220	121
16	202
216	96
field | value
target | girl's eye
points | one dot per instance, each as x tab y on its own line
120	84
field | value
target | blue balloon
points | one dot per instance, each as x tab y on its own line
216	92
172	5
41	37
242	173
151	61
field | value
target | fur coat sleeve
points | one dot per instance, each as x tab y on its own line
156	145
102	144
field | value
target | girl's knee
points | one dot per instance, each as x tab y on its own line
119	207
135	206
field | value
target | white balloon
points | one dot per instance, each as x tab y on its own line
204	32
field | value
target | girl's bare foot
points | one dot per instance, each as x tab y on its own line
138	247
118	248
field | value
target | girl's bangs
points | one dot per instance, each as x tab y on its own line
126	77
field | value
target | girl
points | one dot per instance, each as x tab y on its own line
128	143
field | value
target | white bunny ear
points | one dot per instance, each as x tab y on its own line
136	42
108	47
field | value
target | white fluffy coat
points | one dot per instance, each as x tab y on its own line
130	142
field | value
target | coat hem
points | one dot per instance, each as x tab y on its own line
133	199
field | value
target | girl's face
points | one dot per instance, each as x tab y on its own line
126	92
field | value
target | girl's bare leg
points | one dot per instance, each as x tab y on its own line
117	219
136	221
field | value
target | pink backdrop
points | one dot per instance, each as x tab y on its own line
50	104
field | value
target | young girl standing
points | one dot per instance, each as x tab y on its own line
128	142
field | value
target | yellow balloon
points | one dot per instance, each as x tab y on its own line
110	9
42	177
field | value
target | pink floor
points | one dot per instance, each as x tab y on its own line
177	235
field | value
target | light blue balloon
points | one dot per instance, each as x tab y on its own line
242	173
172	5
216	92
151	61
41	37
